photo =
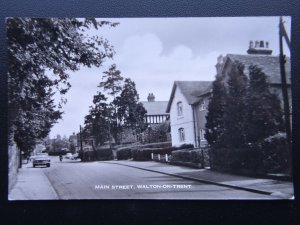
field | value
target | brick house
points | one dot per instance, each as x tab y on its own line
189	99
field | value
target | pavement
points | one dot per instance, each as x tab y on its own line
43	189
24	190
272	187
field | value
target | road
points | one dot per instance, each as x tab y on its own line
105	180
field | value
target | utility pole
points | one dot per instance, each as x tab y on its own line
80	135
287	114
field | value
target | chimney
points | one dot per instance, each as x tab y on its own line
260	48
219	64
151	97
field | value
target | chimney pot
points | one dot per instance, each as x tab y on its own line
251	44
262	44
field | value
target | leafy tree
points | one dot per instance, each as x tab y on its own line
235	110
60	143
97	121
264	114
41	51
215	117
157	133
72	148
131	112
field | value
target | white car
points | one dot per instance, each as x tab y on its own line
69	156
41	161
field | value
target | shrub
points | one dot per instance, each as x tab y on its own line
56	153
274	153
237	160
124	153
186	146
267	156
88	156
145	154
191	156
104	154
156	145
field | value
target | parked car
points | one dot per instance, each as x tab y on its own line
75	155
69	156
41	161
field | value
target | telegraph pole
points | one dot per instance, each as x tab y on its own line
80	134
287	114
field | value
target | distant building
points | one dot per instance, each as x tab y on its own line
73	139
156	110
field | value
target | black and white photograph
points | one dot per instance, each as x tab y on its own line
181	108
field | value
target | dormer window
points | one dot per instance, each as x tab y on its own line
179	109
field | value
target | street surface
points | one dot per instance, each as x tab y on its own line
73	179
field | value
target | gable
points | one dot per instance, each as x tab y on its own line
191	90
156	107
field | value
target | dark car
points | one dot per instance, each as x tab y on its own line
41	161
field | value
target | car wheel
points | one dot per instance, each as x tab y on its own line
33	166
48	165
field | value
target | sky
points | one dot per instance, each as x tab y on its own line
155	52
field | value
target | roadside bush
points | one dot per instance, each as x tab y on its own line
56	153
104	154
124	153
274	153
241	160
141	152
186	146
145	154
191	156
156	145
267	156
88	156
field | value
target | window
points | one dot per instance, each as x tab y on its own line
181	134
179	109
202	106
202	133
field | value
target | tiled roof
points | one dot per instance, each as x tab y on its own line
191	90
156	107
269	65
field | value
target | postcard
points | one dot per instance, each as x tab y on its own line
149	108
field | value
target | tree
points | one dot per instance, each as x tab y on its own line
235	110
131	112
112	84
40	54
97	122
264	114
60	143
215	116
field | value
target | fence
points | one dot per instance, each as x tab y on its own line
187	157
161	157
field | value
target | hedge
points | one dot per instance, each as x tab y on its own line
267	156
57	153
124	153
195	157
100	154
275	154
145	154
104	154
242	160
